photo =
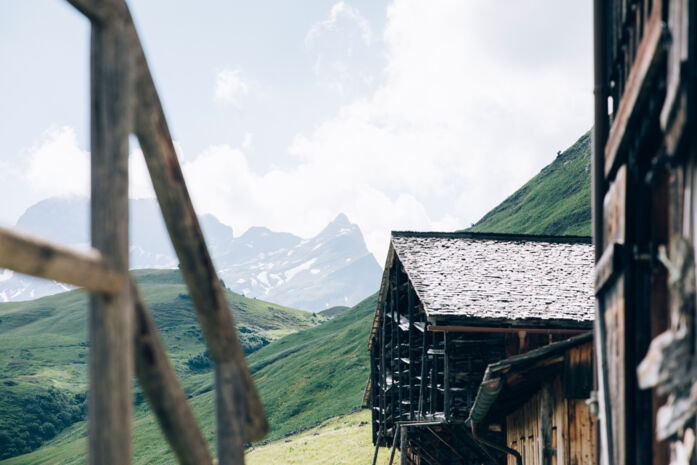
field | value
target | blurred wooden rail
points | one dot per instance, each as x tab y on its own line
124	100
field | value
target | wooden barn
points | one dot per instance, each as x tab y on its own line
645	228
539	399
451	304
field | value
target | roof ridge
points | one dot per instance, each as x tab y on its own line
495	236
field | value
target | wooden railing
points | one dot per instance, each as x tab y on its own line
121	329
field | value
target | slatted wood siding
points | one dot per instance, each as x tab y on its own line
573	429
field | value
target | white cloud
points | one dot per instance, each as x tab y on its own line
230	87
474	103
340	12
247	140
340	44
476	98
57	165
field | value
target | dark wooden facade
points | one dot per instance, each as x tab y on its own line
644	184
426	366
539	399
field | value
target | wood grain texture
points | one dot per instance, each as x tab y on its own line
163	391
110	416
194	259
50	261
647	58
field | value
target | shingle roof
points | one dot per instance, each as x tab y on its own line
498	276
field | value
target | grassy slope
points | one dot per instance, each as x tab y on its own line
339	441
303	378
556	202
322	371
43	342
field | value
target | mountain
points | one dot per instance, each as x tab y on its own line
330	269
556	202
43	352
43	368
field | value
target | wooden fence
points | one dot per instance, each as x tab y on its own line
124	101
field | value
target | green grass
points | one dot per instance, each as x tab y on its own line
344	440
555	202
323	370
303	378
43	351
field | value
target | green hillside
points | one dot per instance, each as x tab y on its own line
322	369
555	202
43	352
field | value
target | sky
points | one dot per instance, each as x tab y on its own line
402	114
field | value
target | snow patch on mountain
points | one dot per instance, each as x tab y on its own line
332	268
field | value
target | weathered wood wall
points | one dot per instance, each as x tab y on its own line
572	429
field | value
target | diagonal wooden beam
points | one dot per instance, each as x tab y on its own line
165	395
196	265
24	254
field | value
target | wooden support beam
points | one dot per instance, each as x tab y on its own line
648	56
110	411
231	412
422	383
546	450
410	305
42	259
163	391
194	260
515	330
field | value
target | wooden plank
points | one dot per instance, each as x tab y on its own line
608	267
194	259
110	400
43	259
613	316
648	56
163	391
614	210
578	371
230	412
545	419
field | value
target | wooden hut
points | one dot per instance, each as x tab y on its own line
540	400
644	185
450	304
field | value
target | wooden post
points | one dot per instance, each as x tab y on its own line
195	263
403	445
383	372
397	434
110	316
398	331
422	384
446	378
165	395
230	402
546	418
393	338
410	305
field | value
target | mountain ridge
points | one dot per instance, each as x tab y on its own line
277	266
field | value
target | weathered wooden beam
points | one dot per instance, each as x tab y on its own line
94	10
231	412
486	329
163	391
648	56
194	259
546	450
46	260
410	305
110	415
